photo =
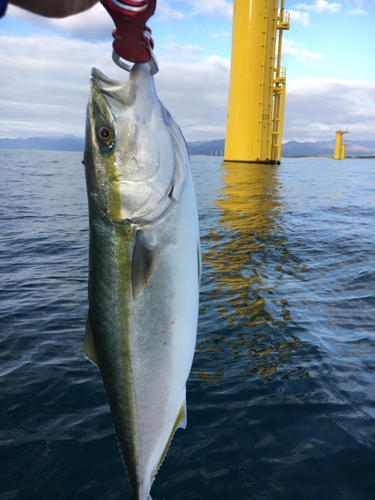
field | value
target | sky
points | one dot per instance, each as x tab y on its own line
328	54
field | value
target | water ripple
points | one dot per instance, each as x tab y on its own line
281	398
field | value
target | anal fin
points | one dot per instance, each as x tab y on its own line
181	421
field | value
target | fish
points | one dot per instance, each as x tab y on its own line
144	266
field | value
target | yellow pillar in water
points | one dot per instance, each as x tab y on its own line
338	145
249	122
343	151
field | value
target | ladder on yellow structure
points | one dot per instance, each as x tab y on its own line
279	87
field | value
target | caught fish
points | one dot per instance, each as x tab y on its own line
144	267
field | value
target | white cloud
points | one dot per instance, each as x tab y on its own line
358	12
315	56
221	34
317	107
181	9
295	49
320	6
301	18
45	87
94	24
217	8
176	52
166	12
196	93
45	83
362	7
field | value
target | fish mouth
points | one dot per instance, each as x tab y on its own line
111	89
101	79
125	92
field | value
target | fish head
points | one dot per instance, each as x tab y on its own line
129	152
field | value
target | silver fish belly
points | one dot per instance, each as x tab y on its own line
144	267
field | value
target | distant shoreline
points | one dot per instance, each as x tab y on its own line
290	149
348	157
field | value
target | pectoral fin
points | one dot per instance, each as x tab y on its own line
89	345
143	264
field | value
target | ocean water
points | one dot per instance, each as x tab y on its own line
281	397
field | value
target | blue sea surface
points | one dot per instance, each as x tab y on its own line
281	397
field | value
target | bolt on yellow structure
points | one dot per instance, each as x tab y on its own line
257	87
340	148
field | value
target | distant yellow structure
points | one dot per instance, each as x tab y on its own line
257	84
340	148
343	151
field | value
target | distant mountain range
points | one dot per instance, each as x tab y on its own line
65	143
292	148
207	148
327	148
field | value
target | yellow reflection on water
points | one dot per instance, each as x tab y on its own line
248	252
248	263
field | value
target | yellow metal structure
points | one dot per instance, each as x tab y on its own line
338	146
257	87
343	151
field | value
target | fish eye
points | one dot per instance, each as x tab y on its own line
104	134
